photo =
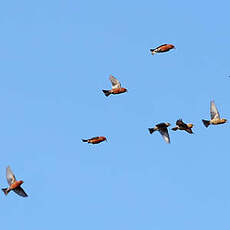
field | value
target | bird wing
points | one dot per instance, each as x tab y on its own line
161	46
165	134
20	191
181	123
213	111
10	176
189	130
93	138
115	82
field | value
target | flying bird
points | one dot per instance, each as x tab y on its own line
183	126
215	116
95	140
163	129
162	48
116	87
14	185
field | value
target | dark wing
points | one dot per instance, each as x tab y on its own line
213	111
161	125
181	124
20	191
189	130
160	46
93	138
10	176
115	82
165	134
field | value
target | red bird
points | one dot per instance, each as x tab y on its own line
95	140
162	48
116	87
13	184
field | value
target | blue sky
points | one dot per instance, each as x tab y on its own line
56	57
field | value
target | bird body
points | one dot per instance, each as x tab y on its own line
162	128
215	116
114	91
116	87
183	126
14	185
95	140
162	48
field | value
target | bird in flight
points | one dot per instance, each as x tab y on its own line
116	87
163	129
14	185
162	48
95	140
215	116
183	126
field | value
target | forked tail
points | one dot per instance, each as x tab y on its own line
206	123
175	128
6	191
106	92
151	130
153	51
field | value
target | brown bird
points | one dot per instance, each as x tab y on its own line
162	128
183	126
13	184
215	116
116	87
95	140
162	48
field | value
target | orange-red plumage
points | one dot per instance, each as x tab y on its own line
14	185
118	90
116	87
95	140
162	48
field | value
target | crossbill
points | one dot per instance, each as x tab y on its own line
163	129
183	126
162	48
215	116
116	87
14	185
95	140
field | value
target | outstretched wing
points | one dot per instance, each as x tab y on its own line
165	134
213	111
115	82
20	191
10	176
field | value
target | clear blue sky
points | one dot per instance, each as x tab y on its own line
56	57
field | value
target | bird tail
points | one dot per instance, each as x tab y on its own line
206	123
151	130
6	191
106	92
153	51
175	128
84	140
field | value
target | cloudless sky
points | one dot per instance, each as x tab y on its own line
56	57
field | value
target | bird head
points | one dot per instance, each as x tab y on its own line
104	138
20	182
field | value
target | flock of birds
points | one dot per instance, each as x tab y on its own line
15	185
